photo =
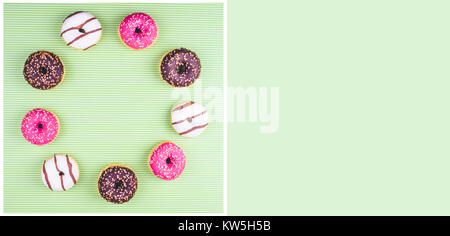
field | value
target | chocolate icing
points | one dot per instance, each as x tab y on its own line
180	67
117	184
43	70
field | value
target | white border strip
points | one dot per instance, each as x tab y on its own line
1	112
225	108
115	1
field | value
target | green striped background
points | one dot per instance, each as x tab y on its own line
113	108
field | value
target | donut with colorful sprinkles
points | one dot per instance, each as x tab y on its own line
40	126
180	67
167	161
138	31
117	183
43	70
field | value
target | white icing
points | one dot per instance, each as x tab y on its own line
53	174
75	21
183	115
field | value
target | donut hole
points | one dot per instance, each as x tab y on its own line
81	30
43	70
40	126
189	119
118	184
169	161
61	173
137	30
181	69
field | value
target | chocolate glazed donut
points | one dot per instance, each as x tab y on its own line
117	183
43	70
180	67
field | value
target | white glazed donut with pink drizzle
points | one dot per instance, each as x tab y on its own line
60	172
189	119
81	30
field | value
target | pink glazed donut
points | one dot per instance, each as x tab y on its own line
40	127
167	161
138	31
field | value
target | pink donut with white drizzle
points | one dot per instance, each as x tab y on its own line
40	126
138	31
167	161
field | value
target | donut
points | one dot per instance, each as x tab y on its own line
138	31
117	183
180	67
189	119
40	127
43	70
60	172
167	161
81	30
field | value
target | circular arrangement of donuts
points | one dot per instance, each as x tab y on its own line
44	70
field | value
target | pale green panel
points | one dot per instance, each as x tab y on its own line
364	119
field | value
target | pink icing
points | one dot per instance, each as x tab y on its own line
40	127
145	27
159	164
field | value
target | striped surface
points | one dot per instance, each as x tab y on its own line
114	108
